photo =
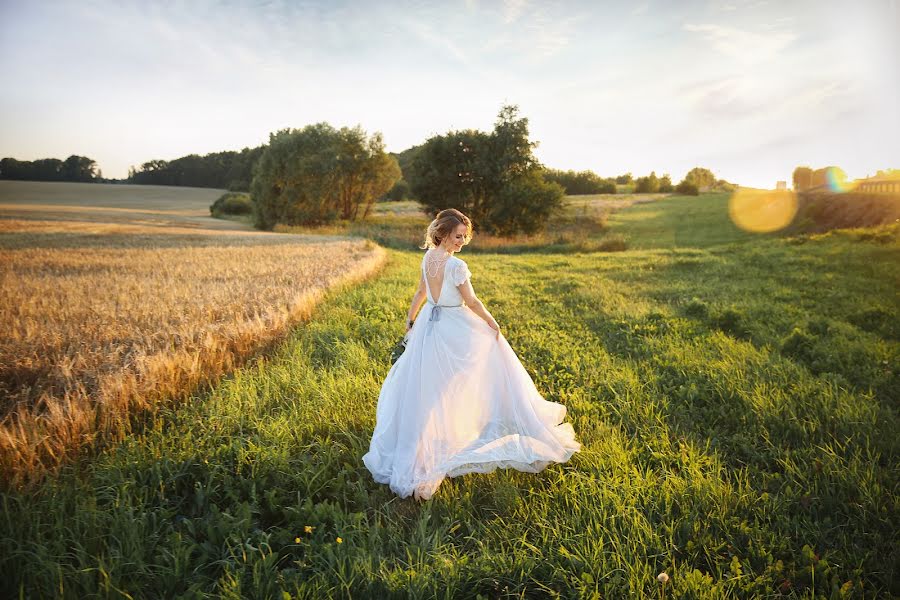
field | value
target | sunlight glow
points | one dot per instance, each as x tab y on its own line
762	210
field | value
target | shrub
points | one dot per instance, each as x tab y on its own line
647	185
524	205
725	186
581	182
702	178
687	188
232	203
399	192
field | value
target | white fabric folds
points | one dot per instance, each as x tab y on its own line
458	400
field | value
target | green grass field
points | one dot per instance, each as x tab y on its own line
736	397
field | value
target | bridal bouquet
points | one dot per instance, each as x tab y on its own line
398	348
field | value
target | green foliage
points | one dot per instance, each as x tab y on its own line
230	170
724	186
700	177
319	174
665	184
648	184
406	158
581	182
686	188
625	179
494	178
399	192
524	205
232	203
74	168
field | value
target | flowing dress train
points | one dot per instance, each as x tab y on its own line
458	400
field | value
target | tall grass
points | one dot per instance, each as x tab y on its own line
735	395
104	322
579	226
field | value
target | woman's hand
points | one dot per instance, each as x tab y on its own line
493	325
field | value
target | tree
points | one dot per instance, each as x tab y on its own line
74	168
702	178
648	184
665	184
802	179
229	169
492	177
686	188
400	191
318	174
624	179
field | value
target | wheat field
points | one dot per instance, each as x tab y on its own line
104	316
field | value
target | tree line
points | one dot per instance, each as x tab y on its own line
74	168
229	170
320	174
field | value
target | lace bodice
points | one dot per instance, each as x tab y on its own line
456	272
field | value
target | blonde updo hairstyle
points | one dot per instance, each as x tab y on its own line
443	225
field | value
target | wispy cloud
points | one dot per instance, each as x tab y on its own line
744	46
728	98
513	9
432	36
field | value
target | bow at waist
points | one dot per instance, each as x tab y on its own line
436	310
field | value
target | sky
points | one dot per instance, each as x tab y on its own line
747	88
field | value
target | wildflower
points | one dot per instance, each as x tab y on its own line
339	541
296	540
308	529
663	578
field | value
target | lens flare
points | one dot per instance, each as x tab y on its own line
762	211
836	180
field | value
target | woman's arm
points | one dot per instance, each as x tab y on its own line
417	301
477	306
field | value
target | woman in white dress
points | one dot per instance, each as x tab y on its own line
458	400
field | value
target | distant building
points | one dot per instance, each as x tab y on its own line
883	184
781	185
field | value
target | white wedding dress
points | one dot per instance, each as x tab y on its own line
459	401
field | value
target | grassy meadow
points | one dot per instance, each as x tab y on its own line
736	396
579	226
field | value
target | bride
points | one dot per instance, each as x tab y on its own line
458	400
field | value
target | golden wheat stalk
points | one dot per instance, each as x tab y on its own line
103	323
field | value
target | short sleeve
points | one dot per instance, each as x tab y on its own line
460	272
